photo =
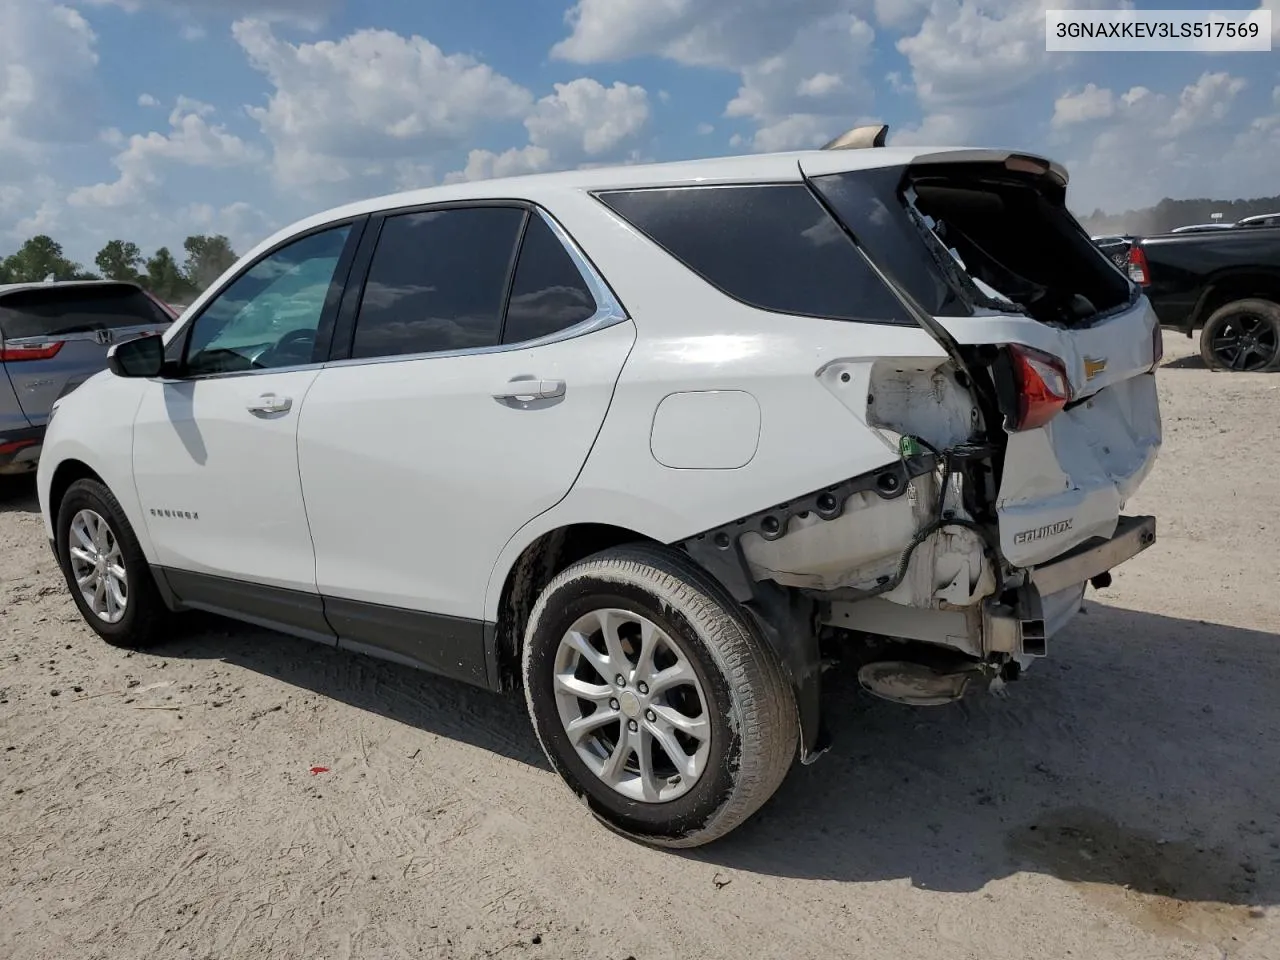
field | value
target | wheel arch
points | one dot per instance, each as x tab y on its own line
783	616
1228	287
64	475
533	568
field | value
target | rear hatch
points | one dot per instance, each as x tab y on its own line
55	336
1060	346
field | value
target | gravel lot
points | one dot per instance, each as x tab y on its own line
1122	801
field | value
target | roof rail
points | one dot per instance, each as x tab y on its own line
859	138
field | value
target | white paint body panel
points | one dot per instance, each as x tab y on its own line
1087	461
694	338
418	489
415	477
198	449
94	424
706	430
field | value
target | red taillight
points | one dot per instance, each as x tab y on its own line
1139	272
1043	386
13	446
35	351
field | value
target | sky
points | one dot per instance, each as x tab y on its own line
148	120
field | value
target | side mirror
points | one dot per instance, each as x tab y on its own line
143	357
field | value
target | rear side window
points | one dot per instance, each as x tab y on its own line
548	294
770	246
59	309
438	281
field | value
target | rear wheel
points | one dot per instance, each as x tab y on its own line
1243	336
109	578
655	698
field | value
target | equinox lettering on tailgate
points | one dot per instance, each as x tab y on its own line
1039	533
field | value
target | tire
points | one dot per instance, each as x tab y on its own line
139	622
1256	323
744	703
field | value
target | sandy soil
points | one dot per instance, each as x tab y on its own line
1122	801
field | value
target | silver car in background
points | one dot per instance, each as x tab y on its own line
53	337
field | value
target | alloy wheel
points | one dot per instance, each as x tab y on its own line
632	705
1246	342
97	565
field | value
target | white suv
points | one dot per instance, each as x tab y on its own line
651	443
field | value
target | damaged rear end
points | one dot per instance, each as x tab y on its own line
1017	450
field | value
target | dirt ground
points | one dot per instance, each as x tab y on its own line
1122	801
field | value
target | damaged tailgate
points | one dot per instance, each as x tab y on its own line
1060	345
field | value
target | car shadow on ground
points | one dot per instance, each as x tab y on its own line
1140	761
18	494
1192	362
435	704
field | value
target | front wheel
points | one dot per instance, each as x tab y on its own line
1243	336
655	698
109	578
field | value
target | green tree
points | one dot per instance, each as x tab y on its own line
119	260
39	259
165	279
207	259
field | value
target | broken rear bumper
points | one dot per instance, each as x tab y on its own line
1095	557
1051	594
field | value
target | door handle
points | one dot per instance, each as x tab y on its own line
531	389
269	403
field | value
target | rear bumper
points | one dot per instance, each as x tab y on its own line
1051	594
1095	557
20	448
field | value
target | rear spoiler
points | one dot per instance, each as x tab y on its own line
860	138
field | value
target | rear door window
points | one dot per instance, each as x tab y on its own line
61	309
771	246
548	293
438	281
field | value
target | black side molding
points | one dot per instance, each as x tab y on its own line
453	647
276	608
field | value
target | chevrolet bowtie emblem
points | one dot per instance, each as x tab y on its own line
1093	366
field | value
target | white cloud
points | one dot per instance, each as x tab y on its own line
306	13
48	104
147	100
582	122
974	61
347	110
584	118
1152	145
47	64
1091	103
800	63
193	32
192	140
705	128
1205	103
819	85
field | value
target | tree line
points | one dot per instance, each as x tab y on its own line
207	257
1168	214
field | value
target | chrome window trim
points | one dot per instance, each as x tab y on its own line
609	311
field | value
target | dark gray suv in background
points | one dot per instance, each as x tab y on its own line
53	337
